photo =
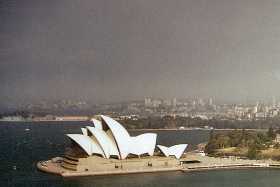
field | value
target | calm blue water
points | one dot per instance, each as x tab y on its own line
20	150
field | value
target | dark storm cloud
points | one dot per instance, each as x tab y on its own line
117	50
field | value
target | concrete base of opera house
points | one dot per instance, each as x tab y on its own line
98	166
93	165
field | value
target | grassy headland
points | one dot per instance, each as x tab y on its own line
250	144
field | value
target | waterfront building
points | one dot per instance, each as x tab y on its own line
107	148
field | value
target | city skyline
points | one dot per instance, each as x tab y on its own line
124	50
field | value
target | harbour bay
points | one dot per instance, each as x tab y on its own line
23	144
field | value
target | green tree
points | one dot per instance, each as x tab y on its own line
252	151
211	145
271	134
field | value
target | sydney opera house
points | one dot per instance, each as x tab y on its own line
106	147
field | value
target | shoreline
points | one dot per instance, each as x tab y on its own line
188	129
144	129
139	171
230	168
205	164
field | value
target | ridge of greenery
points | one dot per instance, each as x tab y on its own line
242	143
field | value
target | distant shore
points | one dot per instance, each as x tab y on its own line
35	121
194	128
144	129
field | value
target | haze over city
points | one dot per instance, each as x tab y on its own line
108	51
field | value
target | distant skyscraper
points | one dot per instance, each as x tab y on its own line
148	101
273	101
174	102
210	101
256	108
156	103
201	102
167	102
193	103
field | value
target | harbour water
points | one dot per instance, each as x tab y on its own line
23	144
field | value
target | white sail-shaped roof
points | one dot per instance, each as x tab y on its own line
110	138
176	150
87	144
144	143
106	143
121	136
84	131
97	124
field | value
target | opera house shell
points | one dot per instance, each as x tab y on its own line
106	146
109	138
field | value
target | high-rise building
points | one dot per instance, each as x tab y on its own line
210	101
174	102
148	101
274	101
201	102
156	103
167	102
256	108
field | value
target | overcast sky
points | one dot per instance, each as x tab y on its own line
116	50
